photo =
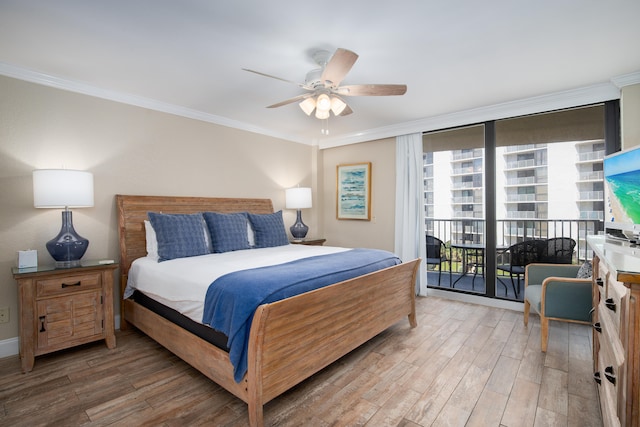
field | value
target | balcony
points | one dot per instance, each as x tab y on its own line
591	156
525	147
596	196
467	268
475	154
524	164
591	176
527	198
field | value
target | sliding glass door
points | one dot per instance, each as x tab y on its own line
455	208
491	187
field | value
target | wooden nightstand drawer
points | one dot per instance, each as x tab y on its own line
66	284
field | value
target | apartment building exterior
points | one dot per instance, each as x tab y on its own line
542	190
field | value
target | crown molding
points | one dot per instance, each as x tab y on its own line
548	102
537	104
138	101
627	79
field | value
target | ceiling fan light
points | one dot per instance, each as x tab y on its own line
308	105
337	105
322	114
323	102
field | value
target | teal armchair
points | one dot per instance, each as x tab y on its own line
554	292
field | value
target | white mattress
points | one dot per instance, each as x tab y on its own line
182	283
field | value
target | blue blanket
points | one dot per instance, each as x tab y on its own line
232	299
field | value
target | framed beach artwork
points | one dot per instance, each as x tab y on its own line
354	191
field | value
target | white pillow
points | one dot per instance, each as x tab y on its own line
152	241
251	235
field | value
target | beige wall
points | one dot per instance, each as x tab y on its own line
130	150
379	232
630	115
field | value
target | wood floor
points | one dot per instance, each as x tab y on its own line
464	365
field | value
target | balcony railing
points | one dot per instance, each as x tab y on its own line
591	176
527	198
592	195
513	231
591	155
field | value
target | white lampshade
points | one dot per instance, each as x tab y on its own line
61	188
308	105
323	102
298	198
337	105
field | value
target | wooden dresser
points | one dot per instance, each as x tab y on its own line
616	343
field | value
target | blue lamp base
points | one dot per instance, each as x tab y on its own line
299	229
68	246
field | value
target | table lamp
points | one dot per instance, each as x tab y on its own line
63	188
298	198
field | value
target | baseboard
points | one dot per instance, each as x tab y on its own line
11	346
475	299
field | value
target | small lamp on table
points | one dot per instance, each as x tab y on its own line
63	188
298	198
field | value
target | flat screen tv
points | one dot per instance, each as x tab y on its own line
622	193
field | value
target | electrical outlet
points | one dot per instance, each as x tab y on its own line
4	315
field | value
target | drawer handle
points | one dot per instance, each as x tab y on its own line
599	282
68	285
42	319
610	304
596	377
608	374
597	327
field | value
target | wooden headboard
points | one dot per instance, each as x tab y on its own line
132	211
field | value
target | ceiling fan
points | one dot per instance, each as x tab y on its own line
323	85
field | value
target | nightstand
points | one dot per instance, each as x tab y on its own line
64	307
310	242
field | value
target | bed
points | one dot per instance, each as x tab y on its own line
290	339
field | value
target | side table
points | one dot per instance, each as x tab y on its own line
64	307
310	242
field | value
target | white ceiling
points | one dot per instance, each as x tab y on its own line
185	56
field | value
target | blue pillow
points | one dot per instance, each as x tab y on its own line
228	231
179	235
269	230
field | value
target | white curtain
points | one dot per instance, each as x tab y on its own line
409	230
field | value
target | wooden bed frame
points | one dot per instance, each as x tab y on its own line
291	339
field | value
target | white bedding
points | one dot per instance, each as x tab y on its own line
182	283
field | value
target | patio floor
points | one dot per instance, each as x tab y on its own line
467	283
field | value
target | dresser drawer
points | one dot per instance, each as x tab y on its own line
616	302
600	275
66	284
608	375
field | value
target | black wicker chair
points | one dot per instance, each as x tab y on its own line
436	255
519	256
559	250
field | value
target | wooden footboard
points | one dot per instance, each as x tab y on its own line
290	339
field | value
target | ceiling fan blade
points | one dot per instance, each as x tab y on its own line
338	66
291	100
347	110
371	90
279	78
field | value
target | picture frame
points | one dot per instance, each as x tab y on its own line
353	193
